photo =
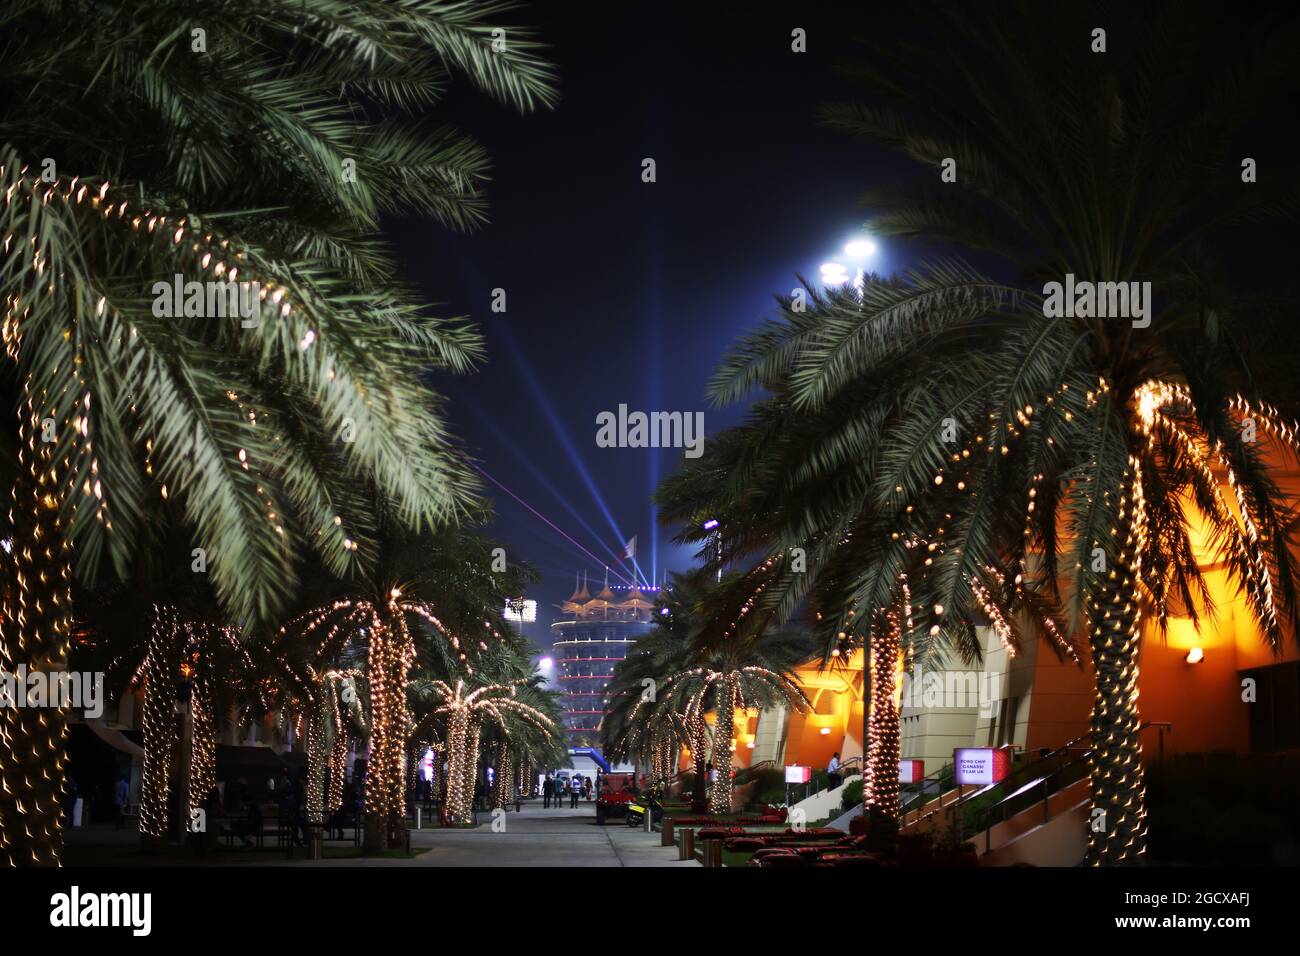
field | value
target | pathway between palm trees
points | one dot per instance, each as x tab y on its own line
535	836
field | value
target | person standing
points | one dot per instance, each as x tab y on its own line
833	777
548	791
574	788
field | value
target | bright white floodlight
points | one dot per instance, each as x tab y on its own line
833	273
860	249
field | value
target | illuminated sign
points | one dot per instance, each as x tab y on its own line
798	774
981	765
521	612
911	771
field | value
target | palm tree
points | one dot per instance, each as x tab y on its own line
383	623
785	492
1061	445
740	677
322	680
231	432
215	666
428	604
155	634
637	727
466	710
337	716
720	666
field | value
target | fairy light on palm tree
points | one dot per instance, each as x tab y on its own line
124	421
466	709
383	625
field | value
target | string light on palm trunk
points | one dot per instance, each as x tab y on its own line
880	781
466	710
158	723
203	748
390	656
35	634
1116	778
179	648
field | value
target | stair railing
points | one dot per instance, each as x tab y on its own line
1053	776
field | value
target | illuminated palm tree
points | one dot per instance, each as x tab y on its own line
734	686
337	715
252	438
1057	448
639	725
383	626
466	710
209	664
783	496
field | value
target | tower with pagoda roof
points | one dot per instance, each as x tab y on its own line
592	636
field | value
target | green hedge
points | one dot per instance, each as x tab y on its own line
852	794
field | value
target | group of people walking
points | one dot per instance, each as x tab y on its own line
557	788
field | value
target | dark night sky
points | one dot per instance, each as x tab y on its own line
622	291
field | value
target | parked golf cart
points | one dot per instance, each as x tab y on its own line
615	792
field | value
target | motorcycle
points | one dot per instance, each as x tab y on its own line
636	812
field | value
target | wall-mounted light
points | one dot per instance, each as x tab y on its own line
825	731
1195	655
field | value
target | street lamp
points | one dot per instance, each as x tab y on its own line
856	251
833	273
860	250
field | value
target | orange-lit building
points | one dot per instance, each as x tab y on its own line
1217	689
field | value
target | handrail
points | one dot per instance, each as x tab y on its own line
1068	745
984	816
984	820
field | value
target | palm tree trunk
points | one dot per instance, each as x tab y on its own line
880	772
720	795
470	769
159	726
458	742
318	759
386	672
34	636
504	795
203	753
338	758
1117	831
698	745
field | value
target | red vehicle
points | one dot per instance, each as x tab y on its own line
614	792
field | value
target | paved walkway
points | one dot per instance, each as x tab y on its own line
533	837
545	837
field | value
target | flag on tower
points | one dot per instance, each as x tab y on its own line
629	549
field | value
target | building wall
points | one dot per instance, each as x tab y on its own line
836	695
1037	700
